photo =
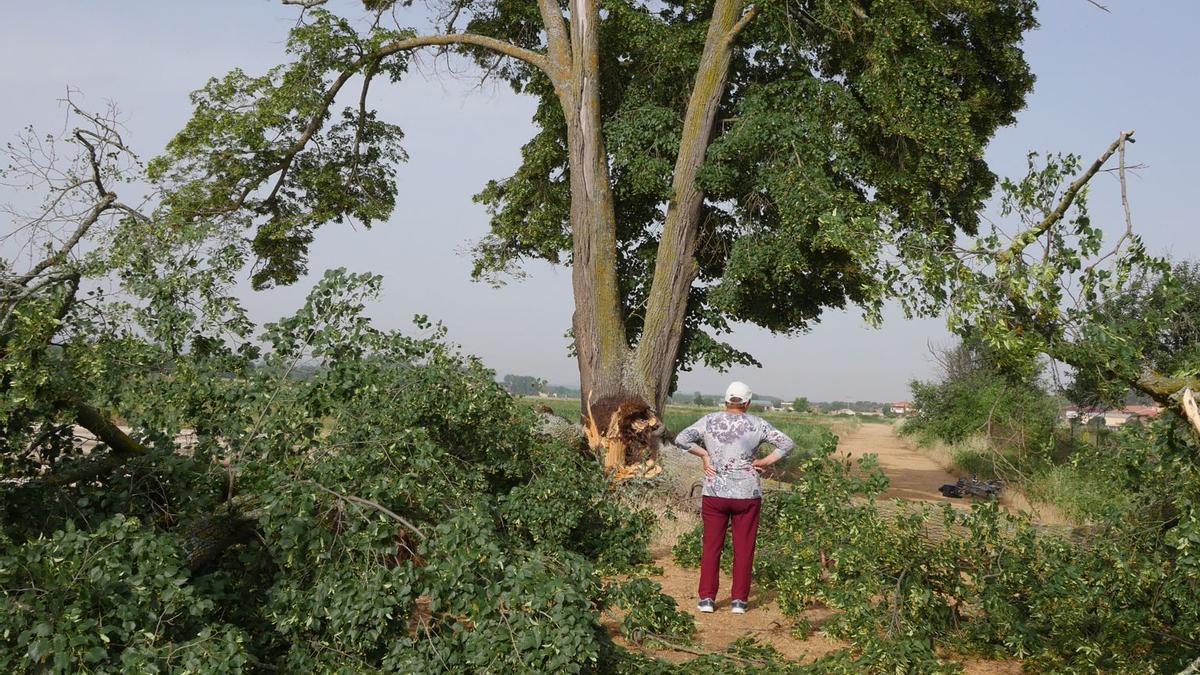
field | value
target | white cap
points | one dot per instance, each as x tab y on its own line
740	391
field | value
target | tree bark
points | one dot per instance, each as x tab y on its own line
599	327
103	429
675	266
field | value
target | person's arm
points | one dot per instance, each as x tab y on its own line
782	442
688	439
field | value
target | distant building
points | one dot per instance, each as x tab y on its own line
1113	419
1080	415
1143	411
842	411
902	408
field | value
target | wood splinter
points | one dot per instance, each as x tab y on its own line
628	431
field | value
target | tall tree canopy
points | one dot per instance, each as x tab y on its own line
695	163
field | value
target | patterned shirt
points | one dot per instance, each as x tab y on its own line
730	440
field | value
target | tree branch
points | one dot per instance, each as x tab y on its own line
73	241
370	62
557	43
741	23
123	447
375	505
1024	239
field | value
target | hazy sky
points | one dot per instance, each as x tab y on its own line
1098	73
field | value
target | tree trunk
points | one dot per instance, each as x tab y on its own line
598	325
617	385
675	265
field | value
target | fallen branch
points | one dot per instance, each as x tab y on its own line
375	505
208	537
700	652
123	447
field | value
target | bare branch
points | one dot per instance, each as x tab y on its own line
71	243
375	505
1128	234
1028	237
741	23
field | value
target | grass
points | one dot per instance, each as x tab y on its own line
1081	496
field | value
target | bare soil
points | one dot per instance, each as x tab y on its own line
914	477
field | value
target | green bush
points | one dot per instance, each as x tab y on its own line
392	510
114	597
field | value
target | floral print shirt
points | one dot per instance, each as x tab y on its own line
730	440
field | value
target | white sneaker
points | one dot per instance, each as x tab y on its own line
705	605
738	606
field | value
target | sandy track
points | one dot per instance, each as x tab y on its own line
913	475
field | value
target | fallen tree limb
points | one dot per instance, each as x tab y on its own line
207	538
375	505
700	652
122	445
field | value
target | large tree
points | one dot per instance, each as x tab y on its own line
694	162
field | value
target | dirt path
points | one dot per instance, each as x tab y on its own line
914	476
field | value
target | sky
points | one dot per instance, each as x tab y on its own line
1133	67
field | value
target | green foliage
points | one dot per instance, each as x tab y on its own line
648	613
401	512
524	385
916	585
1168	299
975	396
114	597
851	149
249	130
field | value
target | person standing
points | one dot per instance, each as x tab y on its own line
726	442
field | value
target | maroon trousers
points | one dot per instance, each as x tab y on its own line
717	513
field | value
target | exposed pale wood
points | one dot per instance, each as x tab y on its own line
1190	410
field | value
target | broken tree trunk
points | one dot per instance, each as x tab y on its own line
626	431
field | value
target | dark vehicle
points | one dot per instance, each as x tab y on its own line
973	487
